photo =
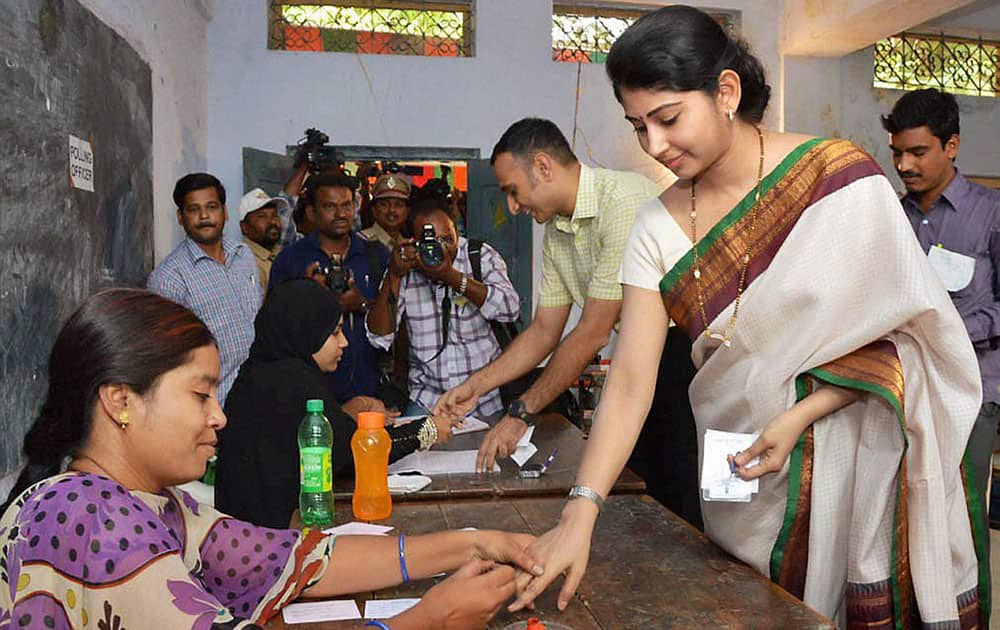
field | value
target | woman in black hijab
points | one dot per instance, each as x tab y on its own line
298	339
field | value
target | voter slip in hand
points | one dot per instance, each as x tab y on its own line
718	482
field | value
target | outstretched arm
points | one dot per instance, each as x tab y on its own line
619	418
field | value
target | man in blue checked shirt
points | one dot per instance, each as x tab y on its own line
448	311
211	274
329	199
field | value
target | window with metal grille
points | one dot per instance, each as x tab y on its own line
375	27
584	31
911	61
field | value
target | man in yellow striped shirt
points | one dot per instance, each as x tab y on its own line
588	214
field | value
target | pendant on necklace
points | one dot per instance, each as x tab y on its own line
723	338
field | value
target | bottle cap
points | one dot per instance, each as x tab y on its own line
314	405
371	420
535	623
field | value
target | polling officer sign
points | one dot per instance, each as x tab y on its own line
81	164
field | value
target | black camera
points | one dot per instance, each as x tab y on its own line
338	277
429	248
317	153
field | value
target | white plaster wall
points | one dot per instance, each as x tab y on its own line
170	35
835	97
264	98
863	104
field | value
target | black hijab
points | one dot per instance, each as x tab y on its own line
294	321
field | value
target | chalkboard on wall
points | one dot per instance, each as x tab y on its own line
65	74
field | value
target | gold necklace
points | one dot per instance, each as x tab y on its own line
724	336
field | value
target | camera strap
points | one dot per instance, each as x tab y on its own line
445	321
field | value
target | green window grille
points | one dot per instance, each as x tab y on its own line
583	32
911	61
376	27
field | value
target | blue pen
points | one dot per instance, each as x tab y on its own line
732	464
548	462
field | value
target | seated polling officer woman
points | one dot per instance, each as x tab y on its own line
298	341
131	405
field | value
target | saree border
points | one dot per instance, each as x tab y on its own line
301	576
815	169
979	538
768	184
875	369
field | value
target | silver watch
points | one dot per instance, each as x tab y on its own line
587	493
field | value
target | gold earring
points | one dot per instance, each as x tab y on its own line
123	419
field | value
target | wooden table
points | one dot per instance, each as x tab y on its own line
551	431
648	569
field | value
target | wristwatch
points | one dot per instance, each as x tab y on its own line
517	409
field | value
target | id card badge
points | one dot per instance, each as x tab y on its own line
955	270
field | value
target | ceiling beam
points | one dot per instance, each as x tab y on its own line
834	28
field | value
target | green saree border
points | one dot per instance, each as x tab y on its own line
794	487
976	508
737	213
802	390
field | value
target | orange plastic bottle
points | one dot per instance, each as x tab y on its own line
371	445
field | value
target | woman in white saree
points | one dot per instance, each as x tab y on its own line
816	321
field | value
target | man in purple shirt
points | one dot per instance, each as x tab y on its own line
958	224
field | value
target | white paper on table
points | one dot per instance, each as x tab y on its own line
404	484
523	453
717	482
525	449
311	612
386	608
438	463
471	424
359	529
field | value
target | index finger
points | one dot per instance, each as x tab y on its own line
486	453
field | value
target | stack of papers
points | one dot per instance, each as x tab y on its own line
718	483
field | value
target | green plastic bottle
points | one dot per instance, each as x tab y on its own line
315	467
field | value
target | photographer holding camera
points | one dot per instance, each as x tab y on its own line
448	311
347	264
312	157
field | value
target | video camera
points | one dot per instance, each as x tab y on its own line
314	150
